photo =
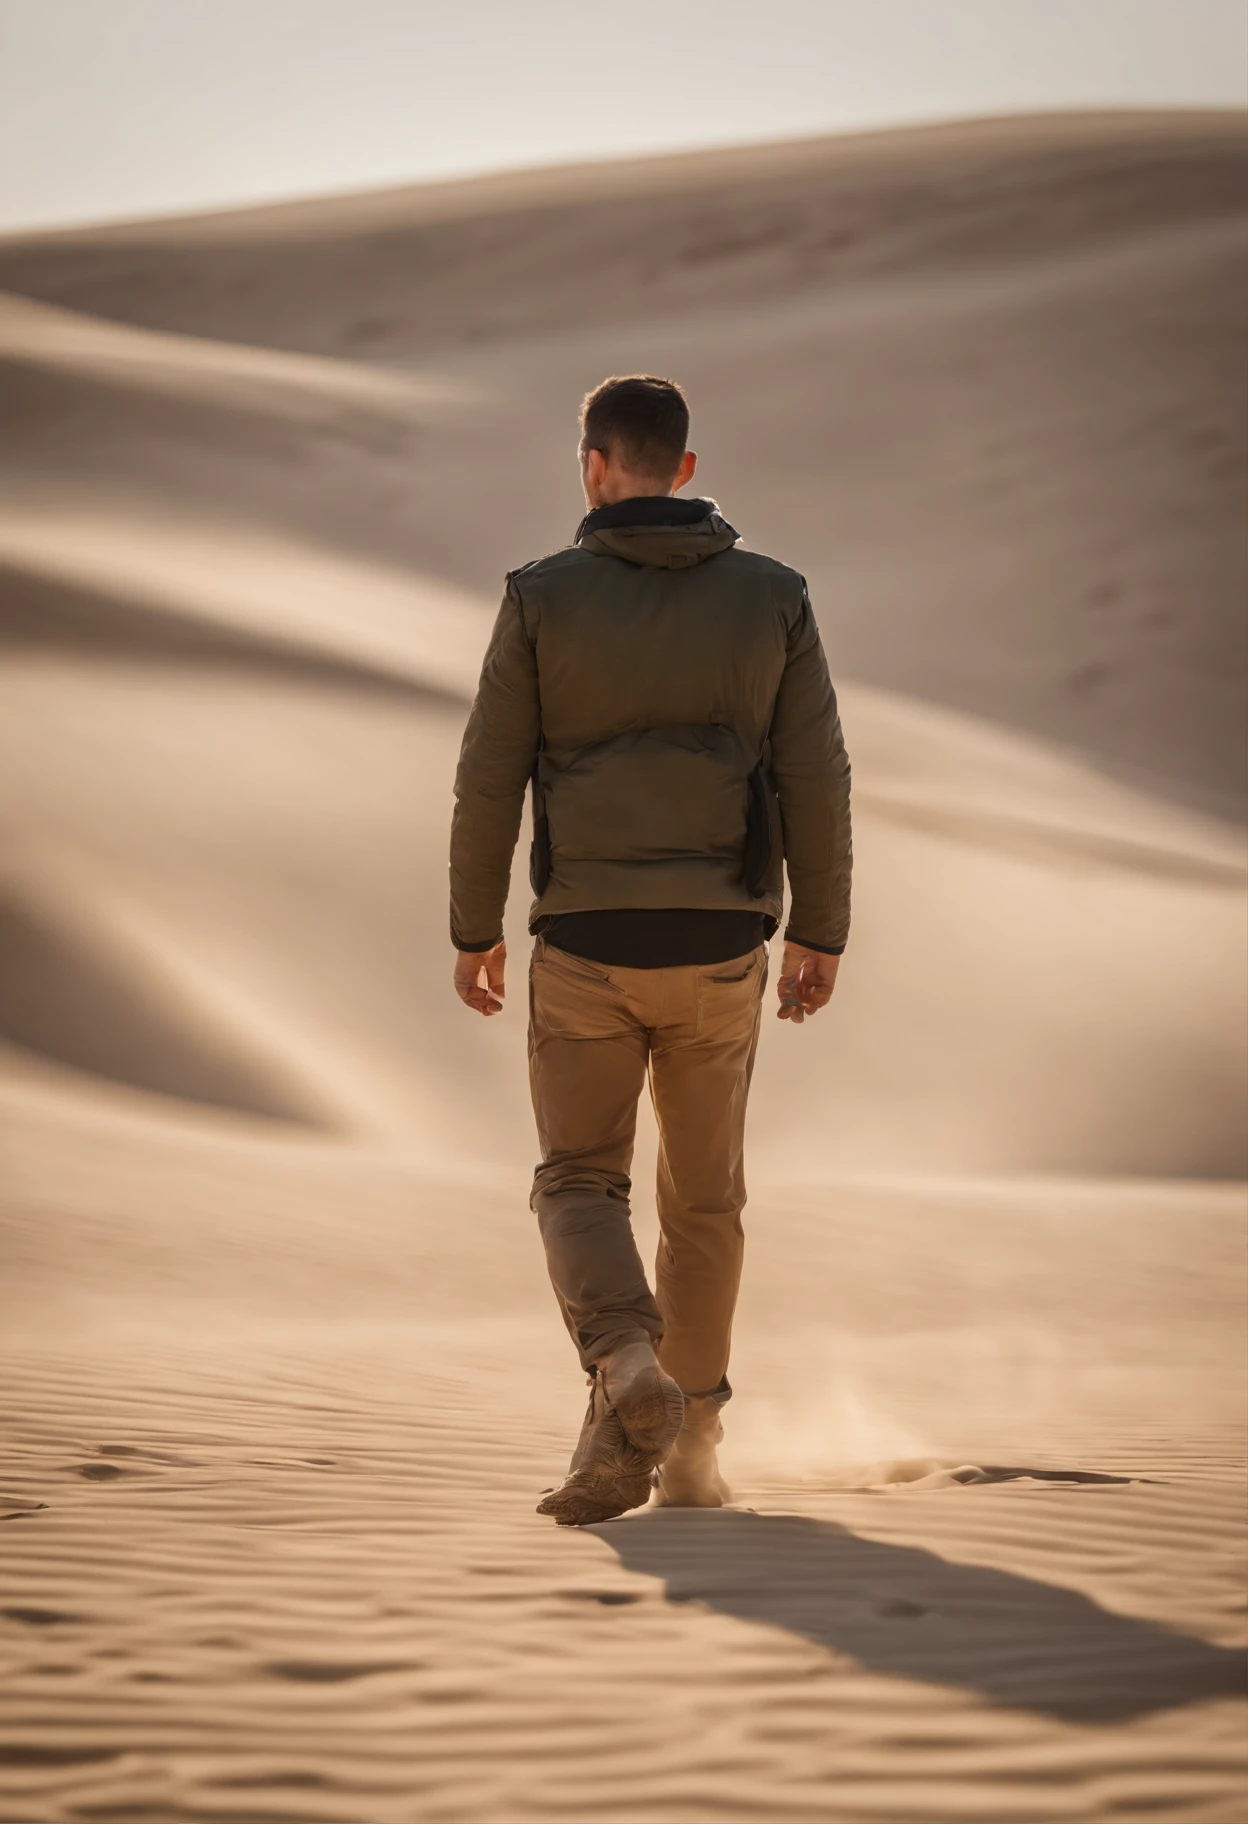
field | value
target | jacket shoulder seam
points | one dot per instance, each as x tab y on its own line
537	563
770	563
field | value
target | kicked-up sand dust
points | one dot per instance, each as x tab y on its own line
283	1379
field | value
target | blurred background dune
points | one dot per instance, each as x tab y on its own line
270	1285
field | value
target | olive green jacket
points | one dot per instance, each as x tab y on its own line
665	693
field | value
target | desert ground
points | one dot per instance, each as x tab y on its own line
283	1377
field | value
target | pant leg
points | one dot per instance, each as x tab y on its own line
700	1068
588	1048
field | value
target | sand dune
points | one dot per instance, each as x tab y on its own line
1055	307
287	596
284	1380
79	988
485	259
224	376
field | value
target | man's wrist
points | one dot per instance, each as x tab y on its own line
466	949
804	943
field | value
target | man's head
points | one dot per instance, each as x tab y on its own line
633	435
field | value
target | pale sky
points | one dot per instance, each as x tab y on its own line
116	108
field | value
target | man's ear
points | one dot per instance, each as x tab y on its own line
688	463
593	470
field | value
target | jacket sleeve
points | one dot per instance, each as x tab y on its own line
495	760
810	769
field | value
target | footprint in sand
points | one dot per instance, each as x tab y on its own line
40	1618
335	1672
15	1507
110	1472
150	1456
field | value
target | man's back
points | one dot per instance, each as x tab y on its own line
654	621
624	640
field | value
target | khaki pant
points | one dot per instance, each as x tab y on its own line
594	1032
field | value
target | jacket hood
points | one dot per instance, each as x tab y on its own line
657	531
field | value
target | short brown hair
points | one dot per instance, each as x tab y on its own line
639	421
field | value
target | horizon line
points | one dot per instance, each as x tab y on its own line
463	177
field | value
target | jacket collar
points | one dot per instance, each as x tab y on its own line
657	531
645	510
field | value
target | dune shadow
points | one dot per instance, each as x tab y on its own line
908	1613
68	1000
45	614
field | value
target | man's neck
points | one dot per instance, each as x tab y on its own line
629	487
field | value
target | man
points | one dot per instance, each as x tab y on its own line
665	693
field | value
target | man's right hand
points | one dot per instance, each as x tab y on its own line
479	978
807	978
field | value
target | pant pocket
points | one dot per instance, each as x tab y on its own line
740	969
549	957
728	996
572	998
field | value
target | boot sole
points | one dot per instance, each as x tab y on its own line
595	1494
651	1411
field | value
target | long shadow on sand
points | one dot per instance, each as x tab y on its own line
906	1612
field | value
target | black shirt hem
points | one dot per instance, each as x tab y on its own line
659	938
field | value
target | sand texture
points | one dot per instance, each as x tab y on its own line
282	1374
